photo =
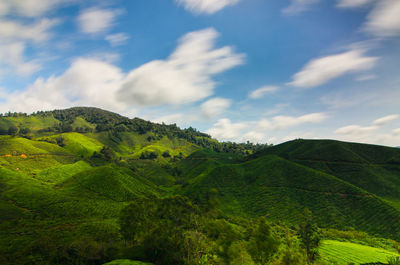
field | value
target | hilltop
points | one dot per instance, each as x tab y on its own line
66	175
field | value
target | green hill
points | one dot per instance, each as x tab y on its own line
65	176
281	189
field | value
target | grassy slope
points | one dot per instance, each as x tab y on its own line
337	252
34	123
375	169
273	186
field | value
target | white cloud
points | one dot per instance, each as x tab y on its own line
206	6
283	122
352	3
225	130
260	131
372	133
262	91
29	8
96	20
36	32
87	82
215	107
366	77
385	120
117	39
185	77
384	20
12	55
355	130
321	70
298	6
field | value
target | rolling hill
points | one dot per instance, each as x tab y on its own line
65	176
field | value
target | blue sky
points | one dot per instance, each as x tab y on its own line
257	70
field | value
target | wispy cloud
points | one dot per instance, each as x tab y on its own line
353	3
385	120
87	82
117	39
206	6
36	32
362	78
12	55
260	130
384	19
298	6
214	107
226	130
283	122
185	76
321	70
371	133
29	8
96	20
262	91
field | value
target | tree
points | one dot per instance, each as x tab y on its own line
292	253
61	140
263	243
25	131
108	153
162	227
166	154
238	254
309	236
12	130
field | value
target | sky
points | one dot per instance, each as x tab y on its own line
265	71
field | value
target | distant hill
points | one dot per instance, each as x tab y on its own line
65	175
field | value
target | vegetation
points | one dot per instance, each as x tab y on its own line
87	186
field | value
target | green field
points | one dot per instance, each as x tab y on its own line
337	252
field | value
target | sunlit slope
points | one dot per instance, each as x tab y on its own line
76	143
373	168
112	182
337	252
281	189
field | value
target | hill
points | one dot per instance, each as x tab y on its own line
66	175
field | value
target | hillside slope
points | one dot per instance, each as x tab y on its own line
281	189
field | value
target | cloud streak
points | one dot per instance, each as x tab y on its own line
185	76
262	91
207	7
322	70
259	131
96	20
384	19
215	107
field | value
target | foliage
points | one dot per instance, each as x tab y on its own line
263	243
309	236
73	190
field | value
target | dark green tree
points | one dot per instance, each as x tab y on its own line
309	236
263	242
12	130
25	131
61	140
166	154
108	153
